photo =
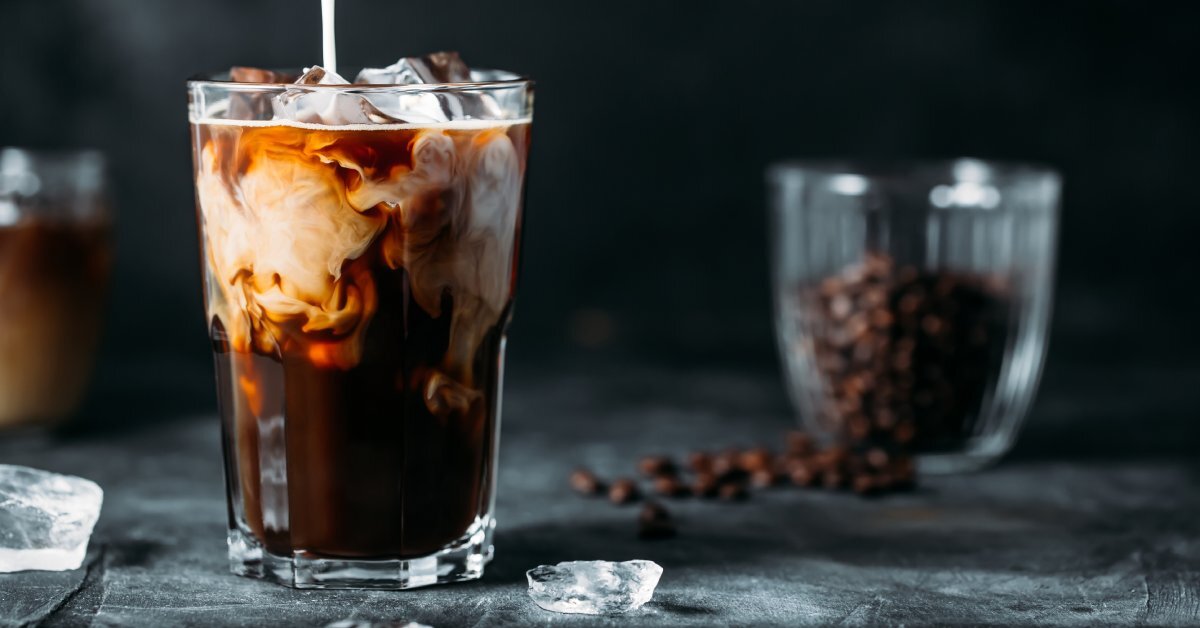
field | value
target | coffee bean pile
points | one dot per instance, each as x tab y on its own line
906	356
730	474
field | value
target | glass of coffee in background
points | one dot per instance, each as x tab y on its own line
54	263
360	246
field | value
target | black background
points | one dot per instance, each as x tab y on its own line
646	230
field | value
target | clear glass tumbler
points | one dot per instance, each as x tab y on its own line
912	301
359	249
55	255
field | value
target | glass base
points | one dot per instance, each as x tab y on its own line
462	560
978	454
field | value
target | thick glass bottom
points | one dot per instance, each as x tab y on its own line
979	453
462	560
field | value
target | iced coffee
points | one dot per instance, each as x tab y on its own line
54	263
360	246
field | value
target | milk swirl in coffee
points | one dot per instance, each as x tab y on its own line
359	275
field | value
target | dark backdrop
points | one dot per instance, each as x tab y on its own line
645	226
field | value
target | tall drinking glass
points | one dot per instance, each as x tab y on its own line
359	270
913	301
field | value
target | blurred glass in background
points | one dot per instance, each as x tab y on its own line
54	264
913	302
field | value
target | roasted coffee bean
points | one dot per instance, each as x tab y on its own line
656	465
840	306
705	485
700	462
885	419
864	352
857	326
623	491
918	368
732	491
725	460
585	482
834	458
757	459
877	458
654	522
727	465
669	486
873	298
858	427
800	443
763	478
804	474
831	286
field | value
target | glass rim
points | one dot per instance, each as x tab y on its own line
83	156
888	169
504	80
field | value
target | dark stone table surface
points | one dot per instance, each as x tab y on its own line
1094	519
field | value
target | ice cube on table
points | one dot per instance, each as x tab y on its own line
593	587
46	519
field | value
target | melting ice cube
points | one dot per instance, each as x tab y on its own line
593	587
46	519
437	67
331	107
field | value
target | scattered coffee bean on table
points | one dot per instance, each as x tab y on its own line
700	462
705	484
800	444
652	466
757	459
764	478
585	482
670	486
867	470
804	473
727	464
623	491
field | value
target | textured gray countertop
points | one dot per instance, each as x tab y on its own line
1094	519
